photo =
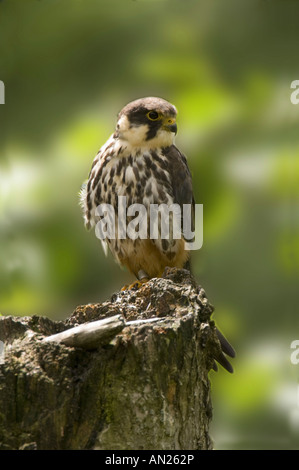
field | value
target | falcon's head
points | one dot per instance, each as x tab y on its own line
147	122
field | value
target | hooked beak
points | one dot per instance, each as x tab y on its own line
170	125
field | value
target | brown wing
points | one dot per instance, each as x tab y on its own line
183	194
181	180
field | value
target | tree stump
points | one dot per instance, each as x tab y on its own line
142	385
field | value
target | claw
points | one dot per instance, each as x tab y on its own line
225	345
135	285
226	348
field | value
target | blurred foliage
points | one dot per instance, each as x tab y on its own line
69	67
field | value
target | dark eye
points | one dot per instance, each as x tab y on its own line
153	115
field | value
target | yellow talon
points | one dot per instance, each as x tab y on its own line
135	285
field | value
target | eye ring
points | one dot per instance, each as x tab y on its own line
153	115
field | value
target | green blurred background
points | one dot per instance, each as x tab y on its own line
69	67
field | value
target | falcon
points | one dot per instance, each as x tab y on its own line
141	163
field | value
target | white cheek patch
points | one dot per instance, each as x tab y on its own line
123	124
136	136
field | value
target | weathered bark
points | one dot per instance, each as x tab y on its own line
146	387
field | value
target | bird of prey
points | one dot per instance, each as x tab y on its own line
141	162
